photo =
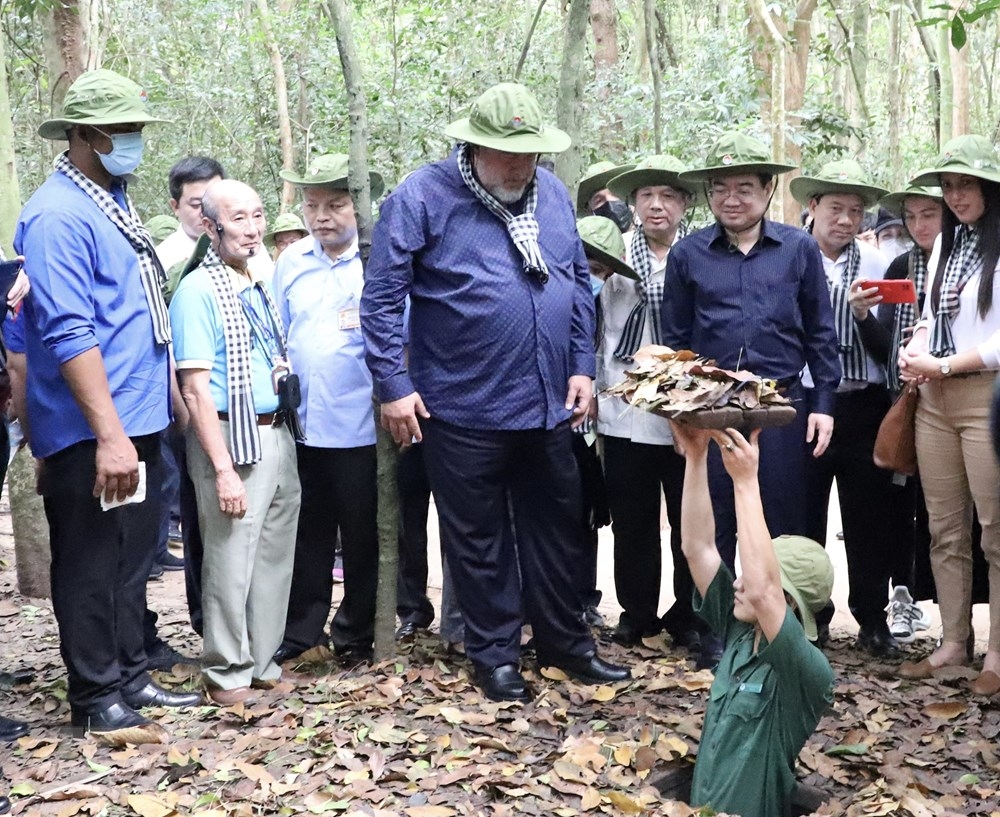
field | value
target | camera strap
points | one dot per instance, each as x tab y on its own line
268	336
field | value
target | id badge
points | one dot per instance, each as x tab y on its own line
349	318
277	373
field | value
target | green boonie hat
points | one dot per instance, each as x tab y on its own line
285	223
894	201
507	118
602	241
969	155
330	170
661	169
842	176
735	153
160	227
596	178
806	575
99	97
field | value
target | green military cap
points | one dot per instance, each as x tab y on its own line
330	170
507	117
806	575
602	241
652	171
285	223
99	97
159	227
894	201
969	155
735	153
841	176
595	178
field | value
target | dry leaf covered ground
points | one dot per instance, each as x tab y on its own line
413	737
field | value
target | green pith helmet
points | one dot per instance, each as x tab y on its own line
894	201
661	169
285	223
733	154
160	227
806	575
330	170
99	97
595	178
507	117
969	155
602	241
841	176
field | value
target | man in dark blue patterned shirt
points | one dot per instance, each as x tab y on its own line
500	366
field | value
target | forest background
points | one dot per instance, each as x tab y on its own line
258	83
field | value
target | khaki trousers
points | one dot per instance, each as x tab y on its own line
958	468
247	570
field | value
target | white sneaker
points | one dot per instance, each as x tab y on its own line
905	616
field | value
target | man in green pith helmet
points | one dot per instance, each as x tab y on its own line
593	197
286	230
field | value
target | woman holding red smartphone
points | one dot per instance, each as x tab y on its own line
953	356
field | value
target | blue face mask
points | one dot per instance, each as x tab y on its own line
596	284
125	155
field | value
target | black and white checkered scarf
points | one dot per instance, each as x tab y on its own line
852	351
965	261
131	227
906	314
650	297
523	229
243	434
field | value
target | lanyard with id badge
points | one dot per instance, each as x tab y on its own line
283	380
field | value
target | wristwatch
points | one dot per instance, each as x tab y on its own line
945	367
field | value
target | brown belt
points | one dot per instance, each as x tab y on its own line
272	418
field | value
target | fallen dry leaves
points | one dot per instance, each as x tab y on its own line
413	738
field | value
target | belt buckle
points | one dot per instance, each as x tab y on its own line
277	419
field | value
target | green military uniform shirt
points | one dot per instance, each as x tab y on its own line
762	709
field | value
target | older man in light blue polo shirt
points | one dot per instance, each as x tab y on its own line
317	286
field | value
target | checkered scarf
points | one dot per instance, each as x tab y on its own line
650	297
852	352
523	229
906	314
131	227
243	434
965	260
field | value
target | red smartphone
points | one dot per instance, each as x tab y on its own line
894	291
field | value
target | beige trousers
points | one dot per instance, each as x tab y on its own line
247	569
959	470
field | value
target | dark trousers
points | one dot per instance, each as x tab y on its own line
868	501
596	513
635	474
782	476
170	493
194	548
100	564
339	491
476	476
412	604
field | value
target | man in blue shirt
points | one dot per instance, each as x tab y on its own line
751	293
96	338
317	287
232	364
501	362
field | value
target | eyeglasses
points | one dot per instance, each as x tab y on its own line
720	194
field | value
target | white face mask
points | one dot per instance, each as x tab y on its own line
892	247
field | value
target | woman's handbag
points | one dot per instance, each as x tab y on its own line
895	445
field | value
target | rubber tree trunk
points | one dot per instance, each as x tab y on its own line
31	531
360	189
569	163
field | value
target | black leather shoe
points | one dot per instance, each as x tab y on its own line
877	641
710	654
407	630
11	729
18	676
164	657
155	571
591	669
686	639
4	804
503	683
285	653
353	656
112	718
153	695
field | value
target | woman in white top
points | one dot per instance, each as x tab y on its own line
953	355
